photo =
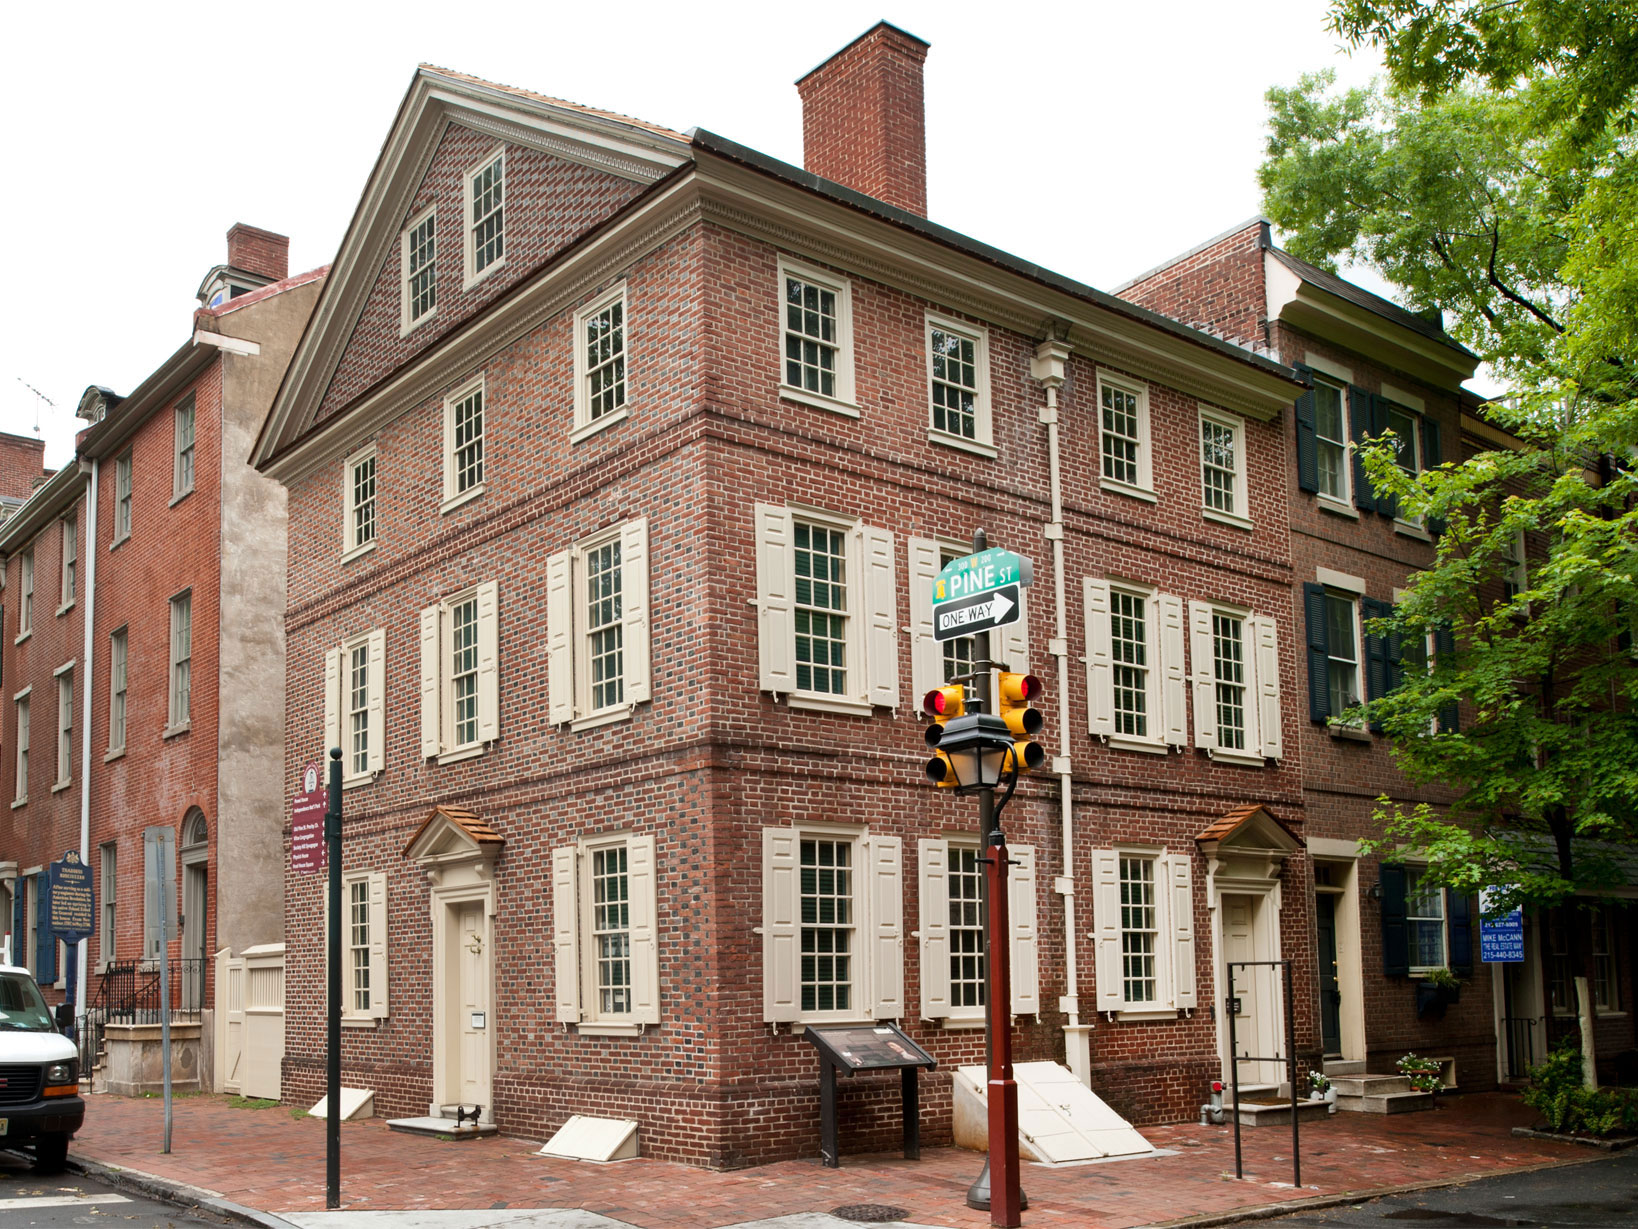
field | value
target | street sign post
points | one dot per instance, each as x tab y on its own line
978	592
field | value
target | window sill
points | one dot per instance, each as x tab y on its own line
19	802
609	1030
472	279
588	429
1350	733
23	635
358	552
360	1021
118	542
455	501
1410	529
1122	742
1146	1015
179	497
462	753
406	327
1337	507
798	1027
171	731
58	787
363	778
65	608
960	1023
825	704
1227	518
789	392
1245	759
607	717
113	753
962	444
1127	489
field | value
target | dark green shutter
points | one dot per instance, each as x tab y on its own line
45	939
1444	649
1307	444
1460	907
1376	654
1395	930
1386	505
1319	653
1431	460
1359	426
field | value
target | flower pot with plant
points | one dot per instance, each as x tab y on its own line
1318	1085
1424	1074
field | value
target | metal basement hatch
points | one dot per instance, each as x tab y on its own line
1060	1119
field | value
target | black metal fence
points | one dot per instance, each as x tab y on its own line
128	992
1519	1033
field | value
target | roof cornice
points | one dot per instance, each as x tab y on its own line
45	504
166	380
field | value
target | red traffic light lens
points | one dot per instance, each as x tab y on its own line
1029	687
935	702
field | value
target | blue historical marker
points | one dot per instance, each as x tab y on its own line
73	909
1501	938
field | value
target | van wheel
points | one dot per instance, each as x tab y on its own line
51	1153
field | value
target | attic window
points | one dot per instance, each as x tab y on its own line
485	217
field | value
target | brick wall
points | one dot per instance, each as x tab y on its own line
1219	285
259	251
22	465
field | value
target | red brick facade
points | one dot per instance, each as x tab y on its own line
22	466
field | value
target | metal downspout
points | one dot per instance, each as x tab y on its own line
85	718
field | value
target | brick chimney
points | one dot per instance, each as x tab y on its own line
863	123
257	251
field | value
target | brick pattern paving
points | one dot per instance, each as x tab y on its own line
270	1160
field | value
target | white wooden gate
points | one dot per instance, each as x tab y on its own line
250	1021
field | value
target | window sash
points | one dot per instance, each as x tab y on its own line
358	706
611	929
65	727
358	946
22	749
122	497
71	550
1425	921
1130	662
821	608
1219	465
953	358
603	342
466	441
487	214
1342	652
107	884
1229	676
184	447
421	268
361	488
828	925
463	672
1121	434
812	336
605	627
25	602
118	680
963	880
1139	931
1331	440
181	659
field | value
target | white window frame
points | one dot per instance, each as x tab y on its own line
64	674
584	424
25	595
1166	683
407	321
1144	487
1393	405
184	453
1260	668
569	685
352	546
374	884
574	935
19	795
935	939
1236	426
70	556
470	220
877	969
119	691
179	715
1175	972
339	713
437	676
123	499
871	633
1339	718
1412	873
107	905
453	497
983	441
1343	503
845	399
1515	568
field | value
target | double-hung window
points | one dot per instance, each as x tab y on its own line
65	727
1334	659
485	217
1515	572
122	500
355	704
1143	918
108	885
605	899
358	501
119	676
1425	922
952	966
1404	428
600	363
25	594
463	443
180	713
363	947
460	677
418	257
1135	678
832	925
20	792
1223	468
816	318
958	377
1236	657
827	600
1123	436
597	630
71	562
182	461
1331	441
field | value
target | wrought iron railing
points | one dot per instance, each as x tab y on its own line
1519	1033
128	992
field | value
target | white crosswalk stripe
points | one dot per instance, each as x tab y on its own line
58	1201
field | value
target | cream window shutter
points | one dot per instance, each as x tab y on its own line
566	933
643	892
884	857
1266	635
1174	702
431	724
488	662
1180	879
378	945
332	709
933	891
781	932
1011	643
634	605
376	717
559	639
1025	966
1106	928
881	616
1205	676
775	599
1100	677
926	654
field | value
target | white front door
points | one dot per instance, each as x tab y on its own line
469	1025
1256	988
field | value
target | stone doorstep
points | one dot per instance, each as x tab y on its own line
442	1127
1277	1113
1337	1066
1386	1103
1370	1085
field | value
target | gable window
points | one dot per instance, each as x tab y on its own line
65	727
182	467
20	792
108	884
119	648
70	554
1134	666
597	635
1223	468
358	498
463	444
419	262
600	363
604	905
485	217
460	678
355	704
953	969
959	383
1330	441
181	676
1236	684
1123	432
817	329
1143	915
122	500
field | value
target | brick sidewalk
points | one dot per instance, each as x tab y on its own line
267	1159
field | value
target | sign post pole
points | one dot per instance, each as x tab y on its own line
332	1117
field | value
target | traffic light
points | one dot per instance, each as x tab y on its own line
941	704
1017	693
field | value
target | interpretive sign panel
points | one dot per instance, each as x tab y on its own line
307	848
1501	938
869	1048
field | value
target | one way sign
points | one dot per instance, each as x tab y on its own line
967	616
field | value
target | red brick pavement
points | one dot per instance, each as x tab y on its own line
267	1159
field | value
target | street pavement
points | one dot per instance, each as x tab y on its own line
232	1158
34	1201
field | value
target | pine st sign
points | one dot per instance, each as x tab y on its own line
978	592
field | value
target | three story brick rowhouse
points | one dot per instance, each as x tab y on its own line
144	677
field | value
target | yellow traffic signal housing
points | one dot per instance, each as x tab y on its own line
941	704
1016	694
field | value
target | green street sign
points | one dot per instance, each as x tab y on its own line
984	572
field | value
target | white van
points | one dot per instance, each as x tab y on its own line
39	1074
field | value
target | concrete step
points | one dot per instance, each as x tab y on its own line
1386	1103
1273	1113
1338	1066
1370	1085
443	1128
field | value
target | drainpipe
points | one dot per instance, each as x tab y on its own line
85	710
1048	368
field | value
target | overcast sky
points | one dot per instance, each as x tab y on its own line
1097	139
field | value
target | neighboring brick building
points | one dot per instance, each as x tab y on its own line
163	537
22	468
620	462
